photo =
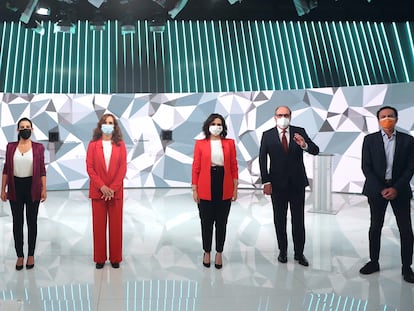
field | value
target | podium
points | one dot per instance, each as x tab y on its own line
322	184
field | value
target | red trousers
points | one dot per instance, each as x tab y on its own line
103	213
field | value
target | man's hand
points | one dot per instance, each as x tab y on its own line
389	193
267	189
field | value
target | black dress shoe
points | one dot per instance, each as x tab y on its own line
28	267
370	267
19	267
282	257
115	265
302	260
408	275
99	265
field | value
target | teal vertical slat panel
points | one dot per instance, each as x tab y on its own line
398	34
194	56
232	79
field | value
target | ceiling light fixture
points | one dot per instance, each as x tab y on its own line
28	11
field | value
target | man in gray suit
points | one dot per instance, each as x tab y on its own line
388	166
286	180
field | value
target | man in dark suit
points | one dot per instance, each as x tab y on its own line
388	166
285	179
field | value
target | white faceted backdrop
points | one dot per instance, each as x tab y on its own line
337	119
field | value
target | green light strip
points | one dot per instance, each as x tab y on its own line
230	47
194	59
22	73
140	61
210	71
201	56
377	58
177	42
219	88
3	36
289	52
261	52
131	52
253	48
362	52
355	53
240	71
334	48
85	64
269	58
223	54
14	86
171	60
307	81
246	58
388	49
184	39
367	50
348	60
164	76
311	52
382	51
276	58
320	59
341	55
298	58
69	61
411	43
325	52
32	70
397	39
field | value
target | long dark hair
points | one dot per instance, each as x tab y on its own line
116	135
209	120
18	125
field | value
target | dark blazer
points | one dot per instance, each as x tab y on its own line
201	169
374	164
96	168
284	167
39	170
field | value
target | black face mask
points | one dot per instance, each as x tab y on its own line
25	133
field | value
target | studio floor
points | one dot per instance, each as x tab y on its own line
162	266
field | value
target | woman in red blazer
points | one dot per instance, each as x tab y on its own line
106	163
214	183
24	175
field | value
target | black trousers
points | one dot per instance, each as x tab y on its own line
401	208
214	212
23	195
280	201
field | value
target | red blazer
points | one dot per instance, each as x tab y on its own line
96	168
39	170
201	175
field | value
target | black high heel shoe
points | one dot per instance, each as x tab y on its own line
30	266
19	267
206	264
218	265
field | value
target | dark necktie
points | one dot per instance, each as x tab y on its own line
284	141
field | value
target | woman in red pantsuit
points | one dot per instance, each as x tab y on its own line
106	163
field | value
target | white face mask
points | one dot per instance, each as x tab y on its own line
215	130
282	122
107	129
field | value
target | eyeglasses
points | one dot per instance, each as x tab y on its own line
280	115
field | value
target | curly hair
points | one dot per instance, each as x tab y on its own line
116	135
209	120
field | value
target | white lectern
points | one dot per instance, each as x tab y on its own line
322	184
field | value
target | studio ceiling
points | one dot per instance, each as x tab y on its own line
352	10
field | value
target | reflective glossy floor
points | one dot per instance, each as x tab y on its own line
162	267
